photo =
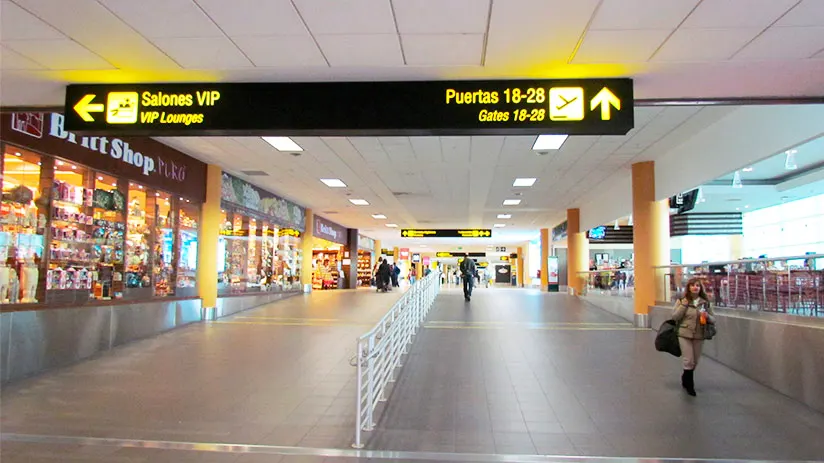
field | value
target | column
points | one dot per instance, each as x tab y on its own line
396	255
352	247
207	237
650	238
375	255
307	246
578	252
419	270
544	258
520	266
661	251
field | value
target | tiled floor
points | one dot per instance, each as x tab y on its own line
513	372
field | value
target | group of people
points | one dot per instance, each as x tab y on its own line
386	276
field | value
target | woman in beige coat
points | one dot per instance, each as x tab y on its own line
688	314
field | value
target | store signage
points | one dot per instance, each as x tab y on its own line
426	261
404	254
446	233
329	230
258	202
365	242
289	232
559	232
611	235
500	249
140	159
504	258
385	251
459	254
513	256
514	107
416	258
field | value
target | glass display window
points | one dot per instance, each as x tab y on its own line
139	225
288	260
188	220
163	273
23	226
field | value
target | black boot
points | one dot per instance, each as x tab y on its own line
688	381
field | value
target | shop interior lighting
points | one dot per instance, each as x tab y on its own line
392	225
789	163
379	216
504	216
499	225
549	142
747	169
512	202
629	221
74	167
333	182
282	143
701	198
525	182
359	202
736	180
616	226
17	154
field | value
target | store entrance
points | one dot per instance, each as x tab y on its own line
327	261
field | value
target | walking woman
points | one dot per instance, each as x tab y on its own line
692	313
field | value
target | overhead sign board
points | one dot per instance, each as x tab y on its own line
460	254
503	107
446	233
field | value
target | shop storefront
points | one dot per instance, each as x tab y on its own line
328	254
94	220
366	260
259	249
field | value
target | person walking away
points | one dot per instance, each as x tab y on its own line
691	314
396	272
468	273
384	276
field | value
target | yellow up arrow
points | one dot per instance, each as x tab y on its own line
85	106
605	98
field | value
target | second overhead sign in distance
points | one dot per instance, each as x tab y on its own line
447	233
469	107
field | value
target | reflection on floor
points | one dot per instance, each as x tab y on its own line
514	372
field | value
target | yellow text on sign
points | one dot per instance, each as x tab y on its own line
121	108
566	104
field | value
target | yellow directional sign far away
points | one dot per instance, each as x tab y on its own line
85	106
606	100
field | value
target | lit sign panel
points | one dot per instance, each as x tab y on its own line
447	233
504	107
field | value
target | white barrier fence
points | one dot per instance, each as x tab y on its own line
381	349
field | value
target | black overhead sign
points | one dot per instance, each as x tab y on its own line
445	233
518	107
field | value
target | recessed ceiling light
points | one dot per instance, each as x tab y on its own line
333	182
100	178
499	225
524	181
422	245
378	216
18	154
359	202
392	225
282	143
74	167
512	202
504	216
549	142
747	169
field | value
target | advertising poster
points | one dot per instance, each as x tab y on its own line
552	274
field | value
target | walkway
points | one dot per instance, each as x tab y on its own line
514	372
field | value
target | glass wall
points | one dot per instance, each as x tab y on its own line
107	238
789	229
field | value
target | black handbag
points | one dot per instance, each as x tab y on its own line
710	331
667	338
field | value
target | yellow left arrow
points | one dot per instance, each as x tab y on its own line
85	106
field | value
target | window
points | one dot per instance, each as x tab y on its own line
187	241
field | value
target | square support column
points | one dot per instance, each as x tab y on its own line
544	259
650	239
578	253
307	245
520	267
207	237
352	269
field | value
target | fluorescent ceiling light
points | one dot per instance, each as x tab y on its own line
512	202
504	216
392	225
359	202
747	169
378	216
499	225
549	142
333	182
282	143
524	181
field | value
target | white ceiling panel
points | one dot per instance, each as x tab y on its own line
617	46
351	17
807	13
91	25
254	17
546	30
641	14
442	16
18	24
704	44
11	60
443	50
732	14
58	54
427	150
784	43
285	51
361	50
164	18
204	52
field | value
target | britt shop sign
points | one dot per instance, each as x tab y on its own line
139	159
329	231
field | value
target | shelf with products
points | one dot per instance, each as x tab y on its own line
364	268
325	274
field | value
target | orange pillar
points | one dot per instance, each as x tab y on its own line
577	252
544	259
650	238
519	278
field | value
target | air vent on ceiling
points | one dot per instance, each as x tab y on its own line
330	212
254	173
734	200
401	193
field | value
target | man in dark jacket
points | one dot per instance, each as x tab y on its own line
384	275
468	271
396	272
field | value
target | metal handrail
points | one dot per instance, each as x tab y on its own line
380	350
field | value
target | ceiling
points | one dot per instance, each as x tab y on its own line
673	48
